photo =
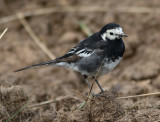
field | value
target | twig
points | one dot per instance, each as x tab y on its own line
81	94
90	90
50	101
3	33
42	103
141	95
34	37
138	10
89	94
127	97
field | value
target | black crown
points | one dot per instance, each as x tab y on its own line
109	26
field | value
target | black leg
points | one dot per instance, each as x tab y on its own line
98	84
86	80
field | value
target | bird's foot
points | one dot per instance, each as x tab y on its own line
99	94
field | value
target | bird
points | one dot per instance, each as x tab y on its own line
94	56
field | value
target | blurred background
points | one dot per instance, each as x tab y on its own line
61	24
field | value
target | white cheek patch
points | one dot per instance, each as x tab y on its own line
104	36
115	32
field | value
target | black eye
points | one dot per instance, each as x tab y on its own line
111	33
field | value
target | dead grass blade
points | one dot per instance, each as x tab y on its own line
127	97
141	95
136	10
41	104
3	33
34	37
81	94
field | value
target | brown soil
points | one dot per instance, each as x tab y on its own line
138	73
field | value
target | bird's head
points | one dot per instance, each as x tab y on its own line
112	31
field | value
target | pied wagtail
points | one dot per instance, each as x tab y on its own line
96	55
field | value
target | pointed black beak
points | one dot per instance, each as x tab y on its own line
123	35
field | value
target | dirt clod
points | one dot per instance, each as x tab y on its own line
12	100
13	94
99	109
104	108
72	116
67	103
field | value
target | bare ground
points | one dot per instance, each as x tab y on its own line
138	73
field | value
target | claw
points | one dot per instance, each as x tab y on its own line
99	94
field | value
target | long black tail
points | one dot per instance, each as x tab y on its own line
36	65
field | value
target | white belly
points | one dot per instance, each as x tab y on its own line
109	66
106	68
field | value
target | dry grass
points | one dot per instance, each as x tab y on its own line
34	37
38	12
3	33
